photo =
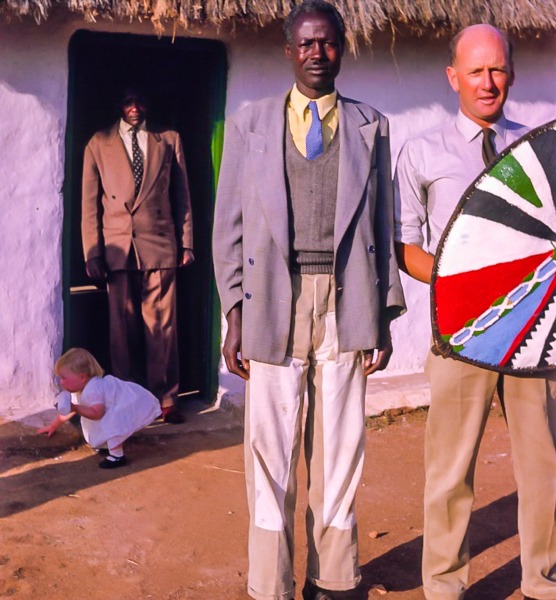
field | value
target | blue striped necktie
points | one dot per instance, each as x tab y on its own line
313	143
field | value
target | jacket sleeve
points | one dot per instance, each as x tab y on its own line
392	298
181	202
91	207
228	226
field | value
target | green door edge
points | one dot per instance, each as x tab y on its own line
215	326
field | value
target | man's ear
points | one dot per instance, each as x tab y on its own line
512	76
452	78
288	51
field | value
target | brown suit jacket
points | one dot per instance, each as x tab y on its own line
157	223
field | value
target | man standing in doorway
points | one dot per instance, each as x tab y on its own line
307	275
434	169
137	229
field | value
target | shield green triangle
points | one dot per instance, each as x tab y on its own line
512	174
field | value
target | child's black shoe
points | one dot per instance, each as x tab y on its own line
113	462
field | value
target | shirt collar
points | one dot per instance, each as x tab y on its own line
126	127
470	130
299	103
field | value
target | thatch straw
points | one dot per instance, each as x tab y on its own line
363	17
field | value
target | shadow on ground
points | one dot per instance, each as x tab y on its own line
399	569
154	446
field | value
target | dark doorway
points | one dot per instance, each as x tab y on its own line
185	82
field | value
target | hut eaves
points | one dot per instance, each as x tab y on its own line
363	17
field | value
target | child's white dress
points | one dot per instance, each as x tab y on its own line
129	407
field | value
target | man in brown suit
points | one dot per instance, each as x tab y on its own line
137	229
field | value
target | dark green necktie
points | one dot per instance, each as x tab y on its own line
489	151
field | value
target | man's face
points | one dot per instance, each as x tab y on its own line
481	74
134	111
316	54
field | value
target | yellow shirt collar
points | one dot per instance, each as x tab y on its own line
299	103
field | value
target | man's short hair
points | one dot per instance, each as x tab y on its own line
131	92
315	6
508	45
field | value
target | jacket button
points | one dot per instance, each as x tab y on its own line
371	249
113	197
248	296
251	261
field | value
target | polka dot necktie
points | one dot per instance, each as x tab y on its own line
137	161
489	151
313	142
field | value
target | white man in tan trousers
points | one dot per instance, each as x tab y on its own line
137	229
307	275
433	171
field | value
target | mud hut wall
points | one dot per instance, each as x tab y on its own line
405	81
33	84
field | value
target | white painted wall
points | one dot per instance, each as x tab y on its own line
33	84
407	83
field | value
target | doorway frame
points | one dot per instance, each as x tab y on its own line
212	341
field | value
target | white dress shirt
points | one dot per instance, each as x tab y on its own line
434	169
125	134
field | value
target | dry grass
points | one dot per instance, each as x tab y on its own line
363	17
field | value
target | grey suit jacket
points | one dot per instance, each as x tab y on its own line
251	241
158	222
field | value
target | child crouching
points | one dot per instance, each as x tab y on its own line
111	410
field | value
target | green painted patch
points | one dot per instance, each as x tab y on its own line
511	173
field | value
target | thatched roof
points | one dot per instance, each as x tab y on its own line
363	17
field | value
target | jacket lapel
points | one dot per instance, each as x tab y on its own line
151	167
119	161
266	152
357	138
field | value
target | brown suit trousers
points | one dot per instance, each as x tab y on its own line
143	330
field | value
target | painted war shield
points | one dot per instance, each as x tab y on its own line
494	277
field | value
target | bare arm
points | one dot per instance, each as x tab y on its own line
185	257
377	359
415	261
232	345
93	412
55	424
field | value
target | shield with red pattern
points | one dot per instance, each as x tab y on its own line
494	277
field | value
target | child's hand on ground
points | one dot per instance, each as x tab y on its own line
49	430
53	426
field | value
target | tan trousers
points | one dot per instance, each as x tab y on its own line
143	330
461	395
334	450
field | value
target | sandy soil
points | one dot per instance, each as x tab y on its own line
172	525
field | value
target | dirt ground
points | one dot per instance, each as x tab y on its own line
172	525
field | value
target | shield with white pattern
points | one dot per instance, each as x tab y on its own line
494	277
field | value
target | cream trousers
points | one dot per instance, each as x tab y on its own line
333	385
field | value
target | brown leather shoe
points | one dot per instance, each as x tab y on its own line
172	415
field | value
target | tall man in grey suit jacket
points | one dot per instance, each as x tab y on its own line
137	229
306	272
